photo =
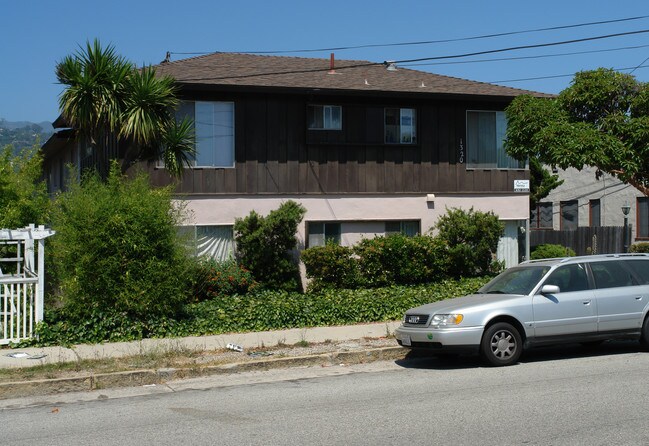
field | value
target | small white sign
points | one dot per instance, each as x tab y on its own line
521	185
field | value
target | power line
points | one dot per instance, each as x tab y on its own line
631	72
523	47
429	42
540	56
561	75
455	56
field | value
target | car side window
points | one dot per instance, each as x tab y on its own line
611	274
569	278
640	268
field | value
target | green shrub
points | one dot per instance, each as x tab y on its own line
218	279
330	266
639	247
265	244
399	259
258	311
23	192
550	251
471	239
116	250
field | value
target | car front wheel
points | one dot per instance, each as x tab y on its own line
644	338
501	344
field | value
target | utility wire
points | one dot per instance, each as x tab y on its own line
523	47
455	56
639	66
429	42
541	56
562	75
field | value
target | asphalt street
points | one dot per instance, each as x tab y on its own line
561	396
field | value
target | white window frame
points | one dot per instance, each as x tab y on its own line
320	238
328	122
405	113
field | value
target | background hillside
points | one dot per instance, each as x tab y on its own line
21	134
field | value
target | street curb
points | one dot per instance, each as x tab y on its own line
134	378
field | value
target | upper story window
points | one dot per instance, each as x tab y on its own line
324	117
485	137
400	126
214	129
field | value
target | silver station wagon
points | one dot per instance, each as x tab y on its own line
586	299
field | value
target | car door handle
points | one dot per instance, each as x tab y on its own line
586	302
638	298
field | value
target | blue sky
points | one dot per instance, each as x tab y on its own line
37	33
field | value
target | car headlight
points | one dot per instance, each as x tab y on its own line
445	320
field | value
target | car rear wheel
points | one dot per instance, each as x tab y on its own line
501	344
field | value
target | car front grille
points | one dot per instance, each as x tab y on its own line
416	319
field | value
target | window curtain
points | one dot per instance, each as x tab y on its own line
214	125
215	242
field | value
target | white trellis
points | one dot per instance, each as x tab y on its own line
22	281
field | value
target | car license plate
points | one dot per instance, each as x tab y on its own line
405	340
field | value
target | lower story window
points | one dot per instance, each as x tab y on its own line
569	215
213	242
541	216
595	208
643	217
321	233
405	227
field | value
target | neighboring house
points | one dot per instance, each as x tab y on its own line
584	201
368	149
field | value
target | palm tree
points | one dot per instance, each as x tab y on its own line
107	98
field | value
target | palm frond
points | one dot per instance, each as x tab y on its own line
179	146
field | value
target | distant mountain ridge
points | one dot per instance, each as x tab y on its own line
22	134
13	125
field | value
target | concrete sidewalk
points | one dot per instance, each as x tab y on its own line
29	357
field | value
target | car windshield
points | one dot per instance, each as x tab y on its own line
517	280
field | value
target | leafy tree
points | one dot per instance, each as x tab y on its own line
264	246
471	239
107	97
601	120
542	182
23	193
116	249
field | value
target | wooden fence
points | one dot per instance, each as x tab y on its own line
584	240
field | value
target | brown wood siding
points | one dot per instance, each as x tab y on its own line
276	154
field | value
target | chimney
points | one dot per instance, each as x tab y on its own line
332	68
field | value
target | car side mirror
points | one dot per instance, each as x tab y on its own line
550	289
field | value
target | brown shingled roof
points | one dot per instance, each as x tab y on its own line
247	70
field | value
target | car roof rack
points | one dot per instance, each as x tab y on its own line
588	257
